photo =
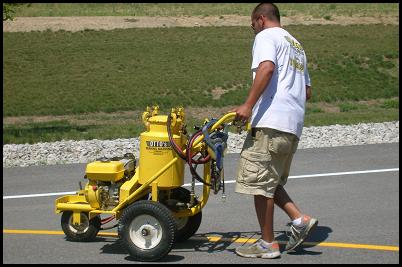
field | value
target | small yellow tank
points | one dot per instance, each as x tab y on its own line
107	171
156	151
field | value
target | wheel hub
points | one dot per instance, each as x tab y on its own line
79	228
145	231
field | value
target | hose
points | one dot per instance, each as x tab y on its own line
180	152
172	142
106	220
189	158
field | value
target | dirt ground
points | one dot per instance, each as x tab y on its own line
23	24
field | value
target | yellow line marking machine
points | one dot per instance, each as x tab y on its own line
149	203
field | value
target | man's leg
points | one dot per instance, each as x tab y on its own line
264	208
283	201
305	225
266	247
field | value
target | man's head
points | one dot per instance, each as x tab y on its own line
265	15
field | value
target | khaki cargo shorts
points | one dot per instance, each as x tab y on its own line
265	161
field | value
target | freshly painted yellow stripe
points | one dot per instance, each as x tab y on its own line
108	234
222	239
349	245
47	232
33	232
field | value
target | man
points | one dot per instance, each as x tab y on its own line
276	106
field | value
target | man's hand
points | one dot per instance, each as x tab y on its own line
243	112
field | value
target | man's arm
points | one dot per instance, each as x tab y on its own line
261	80
308	92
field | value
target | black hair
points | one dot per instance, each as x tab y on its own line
269	10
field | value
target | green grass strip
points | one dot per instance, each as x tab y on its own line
57	73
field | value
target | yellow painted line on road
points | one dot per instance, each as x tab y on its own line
319	244
48	232
223	239
32	232
357	246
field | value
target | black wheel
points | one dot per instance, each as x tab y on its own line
146	230
84	232
186	226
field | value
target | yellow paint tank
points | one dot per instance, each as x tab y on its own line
156	152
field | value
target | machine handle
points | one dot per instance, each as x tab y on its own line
225	118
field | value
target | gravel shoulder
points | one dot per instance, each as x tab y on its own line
73	24
84	151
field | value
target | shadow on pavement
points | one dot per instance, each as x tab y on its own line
221	241
114	247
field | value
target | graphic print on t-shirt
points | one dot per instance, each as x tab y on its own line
296	59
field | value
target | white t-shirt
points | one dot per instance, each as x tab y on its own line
282	104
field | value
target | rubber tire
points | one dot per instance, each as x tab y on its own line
166	220
193	223
87	236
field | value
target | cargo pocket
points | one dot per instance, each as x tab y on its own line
280	144
253	168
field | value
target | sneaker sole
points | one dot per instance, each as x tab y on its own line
272	255
312	227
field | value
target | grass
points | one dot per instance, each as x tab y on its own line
204	9
352	112
390	103
58	73
116	70
355	116
59	130
90	72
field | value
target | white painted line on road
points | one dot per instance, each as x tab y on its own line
226	182
41	195
342	173
322	175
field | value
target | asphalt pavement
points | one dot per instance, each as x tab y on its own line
352	190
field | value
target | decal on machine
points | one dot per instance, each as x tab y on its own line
158	147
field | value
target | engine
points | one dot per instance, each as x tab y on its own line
105	177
